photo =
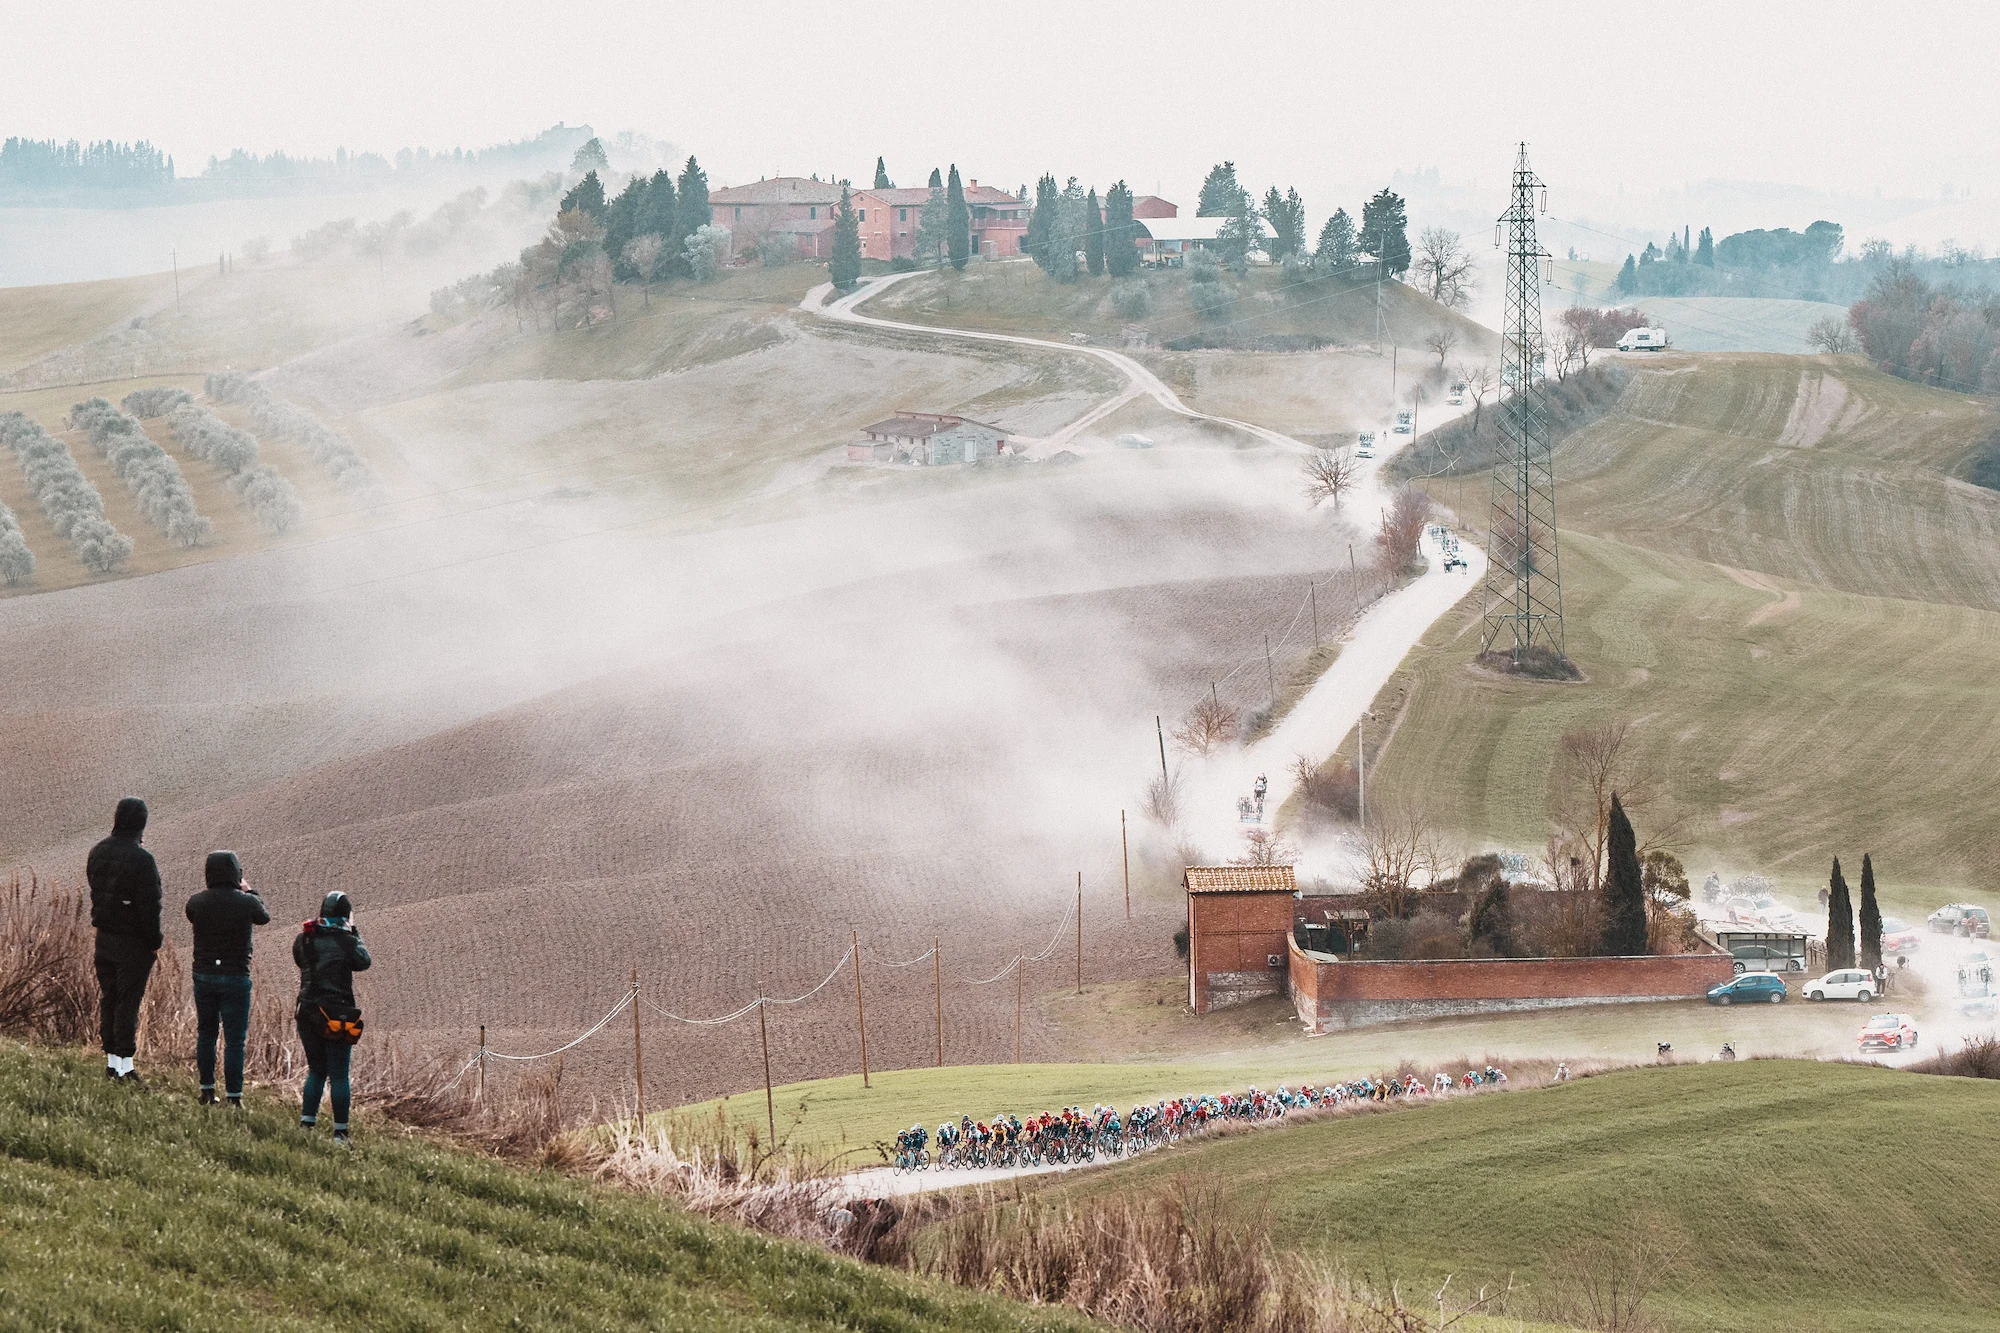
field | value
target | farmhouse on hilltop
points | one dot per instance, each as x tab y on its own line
803	209
928	438
783	205
889	219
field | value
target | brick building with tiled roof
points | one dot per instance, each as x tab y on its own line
1239	931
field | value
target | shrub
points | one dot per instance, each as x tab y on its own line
706	248
1474	443
902	264
274	416
1130	299
17	562
47	990
152	476
71	504
1331	790
155	402
211	439
776	249
1979	1057
269	498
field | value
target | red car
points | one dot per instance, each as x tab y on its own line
1889	1032
1898	938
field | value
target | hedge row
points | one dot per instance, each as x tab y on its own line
274	416
65	495
155	402
147	470
17	562
267	495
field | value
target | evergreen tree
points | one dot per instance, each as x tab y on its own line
882	181
1839	922
1295	227
1093	234
1042	221
1628	277
1239	235
1219	192
929	246
1624	889
957	221
1704	250
1385	232
1337	243
1871	917
1121	250
1493	920
657	213
845	266
1066	233
623	224
691	210
587	196
1274	213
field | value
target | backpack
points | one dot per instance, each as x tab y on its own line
343	1029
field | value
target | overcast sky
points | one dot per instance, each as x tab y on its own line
1844	97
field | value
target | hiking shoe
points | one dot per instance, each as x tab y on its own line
208	1096
340	1138
236	1102
132	1080
111	1073
306	1125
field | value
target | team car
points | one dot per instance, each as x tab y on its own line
1889	1032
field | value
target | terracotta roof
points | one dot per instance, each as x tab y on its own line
984	195
1240	879
912	425
777	190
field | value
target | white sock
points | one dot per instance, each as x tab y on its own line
111	1063
124	1064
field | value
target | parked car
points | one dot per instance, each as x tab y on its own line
1364	445
1961	919
1898	937
1847	984
1889	1032
1764	958
1750	988
1644	340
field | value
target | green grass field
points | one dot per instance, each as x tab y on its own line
124	1209
1767	566
1792	1195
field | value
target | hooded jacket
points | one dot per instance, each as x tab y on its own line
124	879
329	952
222	916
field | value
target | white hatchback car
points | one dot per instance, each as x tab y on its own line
1846	984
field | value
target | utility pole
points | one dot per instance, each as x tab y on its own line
1393	351
482	1062
1079	932
1166	783
937	984
638	1054
860	1006
1361	766
1125	852
1270	673
1019	968
176	254
1312	591
770	1106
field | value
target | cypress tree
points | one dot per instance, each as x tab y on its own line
845	266
1871	917
691	210
587	196
1628	277
882	181
1624	889
1704	251
623	224
1219	192
1839	922
1121	249
1493	919
957	222
656	214
1093	235
1042	221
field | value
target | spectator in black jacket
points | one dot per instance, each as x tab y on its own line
223	915
125	909
329	952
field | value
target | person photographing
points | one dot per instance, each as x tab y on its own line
223	914
329	952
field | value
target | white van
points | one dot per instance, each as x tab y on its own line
1644	340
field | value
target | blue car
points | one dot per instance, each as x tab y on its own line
1750	988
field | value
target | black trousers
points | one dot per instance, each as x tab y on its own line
123	966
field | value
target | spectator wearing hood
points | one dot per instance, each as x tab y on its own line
125	909
328	952
223	915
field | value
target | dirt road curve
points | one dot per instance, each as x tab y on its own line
1322	719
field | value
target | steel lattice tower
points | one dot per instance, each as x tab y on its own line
1523	595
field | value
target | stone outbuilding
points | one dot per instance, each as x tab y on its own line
929	438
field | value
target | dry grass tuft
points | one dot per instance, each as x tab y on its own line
1979	1057
48	992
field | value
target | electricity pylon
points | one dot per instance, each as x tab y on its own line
1523	594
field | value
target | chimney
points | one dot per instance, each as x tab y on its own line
975	185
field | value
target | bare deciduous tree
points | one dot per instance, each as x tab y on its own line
643	254
1831	335
1163	800
1262	847
1207	725
1574	342
1403	856
1402	529
1443	265
1442	343
1478	378
1594	763
1329	474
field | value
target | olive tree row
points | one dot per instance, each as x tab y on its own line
71	504
262	490
17	562
274	416
154	402
147	470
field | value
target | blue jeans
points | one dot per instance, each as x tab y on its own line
326	1063
221	1002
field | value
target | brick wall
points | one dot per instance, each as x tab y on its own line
1231	939
1330	996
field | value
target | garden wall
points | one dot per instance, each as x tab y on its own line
1331	996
